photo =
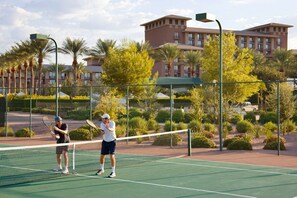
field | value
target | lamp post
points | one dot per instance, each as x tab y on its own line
46	37
206	17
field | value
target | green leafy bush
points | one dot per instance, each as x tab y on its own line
244	126
200	141
274	138
236	118
181	126
134	112
240	144
250	116
138	123
270	126
288	126
178	116
164	140
195	126
10	132
188	117
95	132
229	141
167	126
207	134
121	130
25	132
162	116
274	146
268	117
209	127
153	125
80	134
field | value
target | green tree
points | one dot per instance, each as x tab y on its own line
237	67
109	103
192	59
287	100
168	53
101	49
74	48
127	66
283	58
196	98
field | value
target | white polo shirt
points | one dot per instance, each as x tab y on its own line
109	135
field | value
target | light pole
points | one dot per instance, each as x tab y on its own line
206	17
46	37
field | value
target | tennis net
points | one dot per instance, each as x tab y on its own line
24	164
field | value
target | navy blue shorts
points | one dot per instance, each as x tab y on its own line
108	148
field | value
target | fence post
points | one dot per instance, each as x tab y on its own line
127	112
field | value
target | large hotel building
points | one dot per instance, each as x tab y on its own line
173	29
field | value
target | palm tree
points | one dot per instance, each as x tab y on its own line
101	49
168	53
75	48
283	58
192	59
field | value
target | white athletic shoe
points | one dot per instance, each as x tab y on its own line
112	174
100	171
65	171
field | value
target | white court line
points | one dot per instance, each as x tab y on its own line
210	166
169	186
138	182
229	168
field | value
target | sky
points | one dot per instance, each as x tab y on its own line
121	19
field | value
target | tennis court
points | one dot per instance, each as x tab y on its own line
140	175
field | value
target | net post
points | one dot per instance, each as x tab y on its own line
189	143
73	159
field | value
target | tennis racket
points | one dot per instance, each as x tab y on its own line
49	125
91	124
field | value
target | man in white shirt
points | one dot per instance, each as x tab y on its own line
108	144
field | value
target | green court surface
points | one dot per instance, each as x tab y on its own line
144	176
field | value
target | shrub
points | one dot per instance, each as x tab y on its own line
134	112
122	121
80	134
25	132
153	125
167	126
188	117
121	130
236	118
164	140
250	116
209	127
181	126
243	126
268	117
240	144
200	141
274	146
288	126
178	116
270	126
3	132
207	134
230	140
274	138
138	123
195	126
162	116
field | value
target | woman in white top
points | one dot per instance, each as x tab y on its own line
108	144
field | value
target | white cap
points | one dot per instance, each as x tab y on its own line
105	116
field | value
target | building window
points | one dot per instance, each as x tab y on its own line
190	39
51	82
251	43
278	42
51	75
176	35
199	43
97	75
